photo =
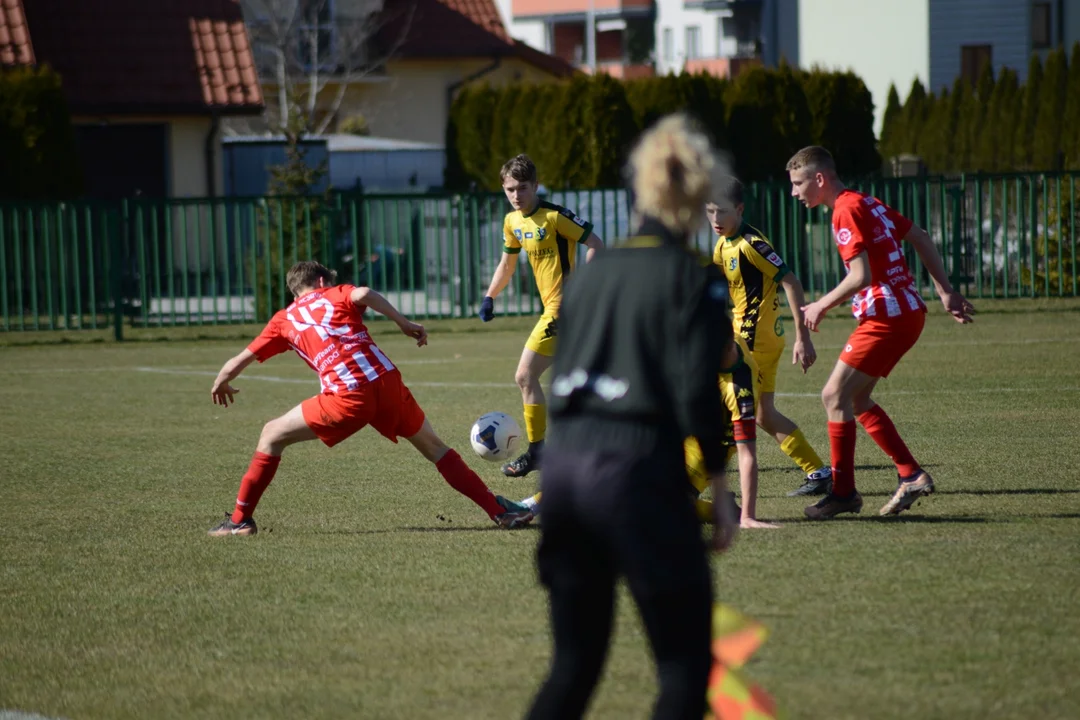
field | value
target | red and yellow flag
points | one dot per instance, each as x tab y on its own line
732	696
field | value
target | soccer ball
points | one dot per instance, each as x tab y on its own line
494	436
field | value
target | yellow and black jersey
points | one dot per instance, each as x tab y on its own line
547	235
753	271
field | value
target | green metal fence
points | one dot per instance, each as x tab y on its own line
139	263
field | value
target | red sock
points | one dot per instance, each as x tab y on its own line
842	451
460	476
878	426
258	476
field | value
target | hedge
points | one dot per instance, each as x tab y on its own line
37	141
998	125
579	131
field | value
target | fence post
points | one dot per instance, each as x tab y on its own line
115	239
956	195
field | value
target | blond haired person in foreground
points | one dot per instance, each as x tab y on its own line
644	332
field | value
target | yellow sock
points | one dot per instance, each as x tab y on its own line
796	447
535	422
536	498
704	510
695	465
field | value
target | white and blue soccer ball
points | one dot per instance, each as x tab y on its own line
495	436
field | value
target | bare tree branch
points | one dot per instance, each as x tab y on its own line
315	50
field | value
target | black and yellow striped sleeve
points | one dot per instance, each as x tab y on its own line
571	226
762	256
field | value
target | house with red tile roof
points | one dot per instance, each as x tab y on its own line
147	84
426	50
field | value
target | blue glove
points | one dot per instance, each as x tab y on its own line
487	309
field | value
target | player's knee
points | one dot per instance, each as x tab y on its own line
523	377
831	397
270	438
765	421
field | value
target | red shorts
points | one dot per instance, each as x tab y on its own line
876	346
385	404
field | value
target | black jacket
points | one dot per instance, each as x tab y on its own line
642	331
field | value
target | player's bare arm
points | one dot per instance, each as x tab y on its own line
368	297
503	272
857	278
803	353
593	243
725	524
222	392
955	304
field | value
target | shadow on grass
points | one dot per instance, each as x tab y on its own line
432	529
1004	491
793	469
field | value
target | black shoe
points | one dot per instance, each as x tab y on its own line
228	527
818	482
526	463
831	506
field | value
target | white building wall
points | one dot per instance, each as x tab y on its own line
885	42
531	32
672	21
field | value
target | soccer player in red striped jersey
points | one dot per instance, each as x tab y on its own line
891	316
360	387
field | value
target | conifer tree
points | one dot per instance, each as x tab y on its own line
1046	146
1029	112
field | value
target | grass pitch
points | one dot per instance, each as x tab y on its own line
375	591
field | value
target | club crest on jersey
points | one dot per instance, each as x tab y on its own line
843	236
517	233
733	264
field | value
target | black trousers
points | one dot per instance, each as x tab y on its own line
609	514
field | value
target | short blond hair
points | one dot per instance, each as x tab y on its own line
675	171
815	158
304	274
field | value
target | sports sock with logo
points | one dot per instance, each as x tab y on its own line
460	476
798	448
255	481
878	426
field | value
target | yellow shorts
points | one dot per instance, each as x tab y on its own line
768	362
740	389
542	338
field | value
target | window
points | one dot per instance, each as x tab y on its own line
317	36
1040	25
972	60
669	43
693	42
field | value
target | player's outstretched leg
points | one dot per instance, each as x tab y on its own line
505	513
793	443
531	366
276	435
913	482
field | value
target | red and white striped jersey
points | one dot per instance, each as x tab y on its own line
862	223
327	331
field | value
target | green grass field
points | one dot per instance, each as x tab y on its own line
375	591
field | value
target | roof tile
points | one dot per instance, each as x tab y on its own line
118	56
15	45
457	28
